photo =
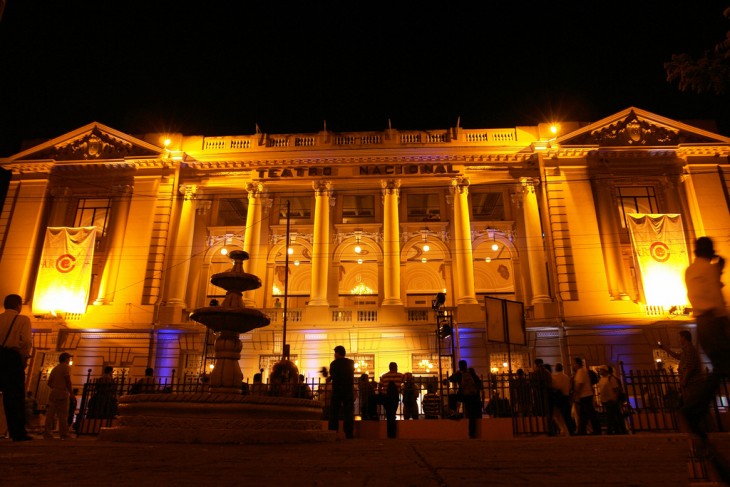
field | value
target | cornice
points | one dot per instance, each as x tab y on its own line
49	166
246	164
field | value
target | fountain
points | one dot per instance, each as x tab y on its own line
222	414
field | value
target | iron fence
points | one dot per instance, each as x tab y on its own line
653	400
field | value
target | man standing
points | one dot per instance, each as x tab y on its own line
542	393
15	345
470	387
342	376
583	396
690	365
59	381
390	385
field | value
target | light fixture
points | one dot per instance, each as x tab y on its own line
424	260
426	247
495	246
228	241
358	249
211	366
290	251
487	260
359	261
424	235
296	262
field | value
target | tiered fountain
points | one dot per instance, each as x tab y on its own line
221	414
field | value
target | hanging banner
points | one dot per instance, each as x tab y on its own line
661	251
64	276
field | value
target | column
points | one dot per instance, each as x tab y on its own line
534	241
182	249
321	243
252	238
59	209
391	243
115	244
464	257
24	235
610	242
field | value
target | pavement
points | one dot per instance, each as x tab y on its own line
633	460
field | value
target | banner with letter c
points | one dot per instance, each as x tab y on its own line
64	275
661	251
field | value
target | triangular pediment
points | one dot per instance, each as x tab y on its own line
635	127
92	142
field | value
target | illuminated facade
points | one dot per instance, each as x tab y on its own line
379	223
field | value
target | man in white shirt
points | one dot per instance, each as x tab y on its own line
583	397
563	404
16	341
704	290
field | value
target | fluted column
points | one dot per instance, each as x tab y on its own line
180	261
391	243
58	216
610	242
534	242
321	243
118	220
252	236
465	293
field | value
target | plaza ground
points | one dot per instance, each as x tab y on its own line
634	460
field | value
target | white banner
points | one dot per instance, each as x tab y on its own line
64	276
661	251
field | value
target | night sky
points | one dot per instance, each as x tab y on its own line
220	68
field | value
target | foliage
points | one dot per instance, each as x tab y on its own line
708	73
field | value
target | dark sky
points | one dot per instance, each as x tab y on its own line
219	68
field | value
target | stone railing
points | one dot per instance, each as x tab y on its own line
388	138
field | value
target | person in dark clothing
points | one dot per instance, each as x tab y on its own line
470	387
16	341
390	384
342	375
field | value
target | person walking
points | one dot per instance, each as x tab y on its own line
469	386
583	397
59	381
16	341
703	279
342	377
563	404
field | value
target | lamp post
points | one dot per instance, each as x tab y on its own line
284	344
444	330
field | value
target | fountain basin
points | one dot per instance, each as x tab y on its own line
240	320
217	418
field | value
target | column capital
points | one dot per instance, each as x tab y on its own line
188	191
390	186
322	188
202	206
60	191
123	190
460	185
255	190
529	184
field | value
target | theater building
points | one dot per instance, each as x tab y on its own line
581	230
